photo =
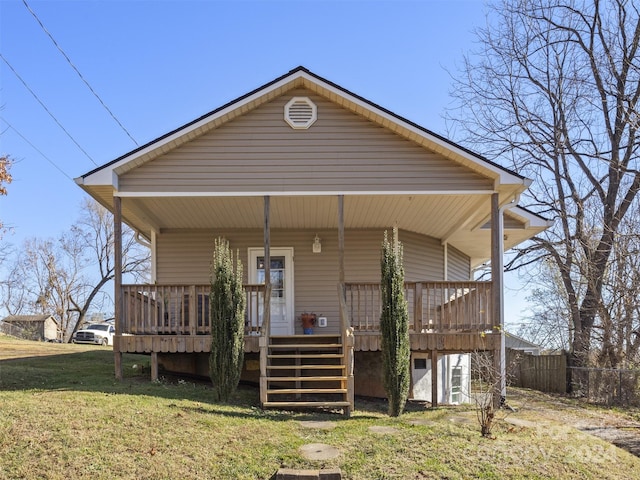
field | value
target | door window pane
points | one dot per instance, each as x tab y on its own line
277	275
456	384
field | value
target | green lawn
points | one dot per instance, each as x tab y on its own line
63	416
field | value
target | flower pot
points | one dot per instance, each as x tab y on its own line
308	322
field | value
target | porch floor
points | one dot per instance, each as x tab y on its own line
458	342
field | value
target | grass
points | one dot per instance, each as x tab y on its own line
63	416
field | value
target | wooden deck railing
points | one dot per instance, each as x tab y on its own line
433	306
180	309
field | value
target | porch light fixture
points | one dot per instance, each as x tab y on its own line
317	246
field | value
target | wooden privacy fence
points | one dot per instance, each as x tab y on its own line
546	373
433	306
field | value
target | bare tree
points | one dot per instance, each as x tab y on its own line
51	273
95	235
66	276
554	92
547	323
618	334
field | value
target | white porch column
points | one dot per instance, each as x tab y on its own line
154	258
266	314
348	340
266	319
497	279
117	283
341	238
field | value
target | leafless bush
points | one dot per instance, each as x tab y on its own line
487	395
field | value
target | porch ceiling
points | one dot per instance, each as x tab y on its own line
460	220
431	215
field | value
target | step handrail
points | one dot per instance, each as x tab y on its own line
348	342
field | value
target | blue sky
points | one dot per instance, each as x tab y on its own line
160	64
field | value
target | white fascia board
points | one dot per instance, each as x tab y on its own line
102	177
302	193
531	220
105	176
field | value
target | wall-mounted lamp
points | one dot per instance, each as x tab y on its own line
317	246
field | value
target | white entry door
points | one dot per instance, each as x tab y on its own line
421	376
282	312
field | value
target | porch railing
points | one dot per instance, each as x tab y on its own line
180	309
433	306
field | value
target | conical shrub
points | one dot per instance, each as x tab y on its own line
227	303
394	326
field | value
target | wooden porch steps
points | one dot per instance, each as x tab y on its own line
305	345
306	367
306	371
307	404
284	391
306	355
298	378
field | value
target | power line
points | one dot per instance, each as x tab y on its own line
36	149
78	71
46	109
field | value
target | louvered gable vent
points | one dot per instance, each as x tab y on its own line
300	112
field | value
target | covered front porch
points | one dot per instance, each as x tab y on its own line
444	317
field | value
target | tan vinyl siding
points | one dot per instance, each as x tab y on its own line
184	258
459	267
259	152
423	257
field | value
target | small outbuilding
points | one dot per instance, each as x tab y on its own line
514	342
42	328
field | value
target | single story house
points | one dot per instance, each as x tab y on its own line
302	177
42	328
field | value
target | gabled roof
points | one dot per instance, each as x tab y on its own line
27	318
302	77
454	212
518	343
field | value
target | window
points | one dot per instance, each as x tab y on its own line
456	384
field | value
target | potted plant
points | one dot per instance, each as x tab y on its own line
308	322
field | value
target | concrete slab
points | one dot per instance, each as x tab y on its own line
295	474
319	451
318	425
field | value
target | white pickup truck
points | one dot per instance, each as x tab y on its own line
96	333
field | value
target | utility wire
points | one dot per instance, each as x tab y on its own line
78	72
46	109
36	149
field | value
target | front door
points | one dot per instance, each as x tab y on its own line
281	286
